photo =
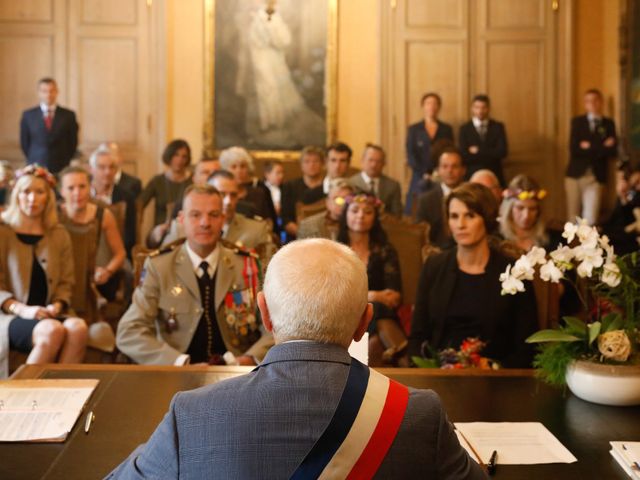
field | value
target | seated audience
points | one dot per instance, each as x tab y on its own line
198	276
252	192
104	189
167	188
280	413
483	140
450	172
459	290
126	182
371	179
325	224
623	226
521	219
37	278
273	179
79	214
337	164
361	230
306	189
488	179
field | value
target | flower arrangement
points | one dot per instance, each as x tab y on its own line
468	356
37	171
609	332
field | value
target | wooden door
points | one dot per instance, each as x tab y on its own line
100	54
513	50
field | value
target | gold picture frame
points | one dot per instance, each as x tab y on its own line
212	144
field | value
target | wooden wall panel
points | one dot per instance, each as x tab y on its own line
26	11
515	13
18	79
435	13
113	12
108	90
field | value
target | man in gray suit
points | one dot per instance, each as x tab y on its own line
326	224
450	173
266	424
371	179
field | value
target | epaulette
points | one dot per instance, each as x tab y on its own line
170	247
239	249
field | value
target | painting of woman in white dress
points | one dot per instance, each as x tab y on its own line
270	73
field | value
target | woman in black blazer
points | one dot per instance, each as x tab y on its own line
422	137
459	289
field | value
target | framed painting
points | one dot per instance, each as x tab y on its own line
270	75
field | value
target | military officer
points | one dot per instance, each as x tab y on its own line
196	298
238	229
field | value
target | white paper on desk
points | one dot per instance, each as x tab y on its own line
39	414
360	350
519	443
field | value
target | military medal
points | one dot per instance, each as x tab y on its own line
172	321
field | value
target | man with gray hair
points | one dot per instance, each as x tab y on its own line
303	413
489	179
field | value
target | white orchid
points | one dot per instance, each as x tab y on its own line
611	275
587	235
570	230
537	256
510	284
549	272
523	269
563	255
590	258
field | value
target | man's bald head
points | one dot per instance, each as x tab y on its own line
316	290
488	179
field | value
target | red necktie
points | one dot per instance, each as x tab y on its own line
48	119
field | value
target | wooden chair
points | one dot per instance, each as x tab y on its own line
139	254
306	210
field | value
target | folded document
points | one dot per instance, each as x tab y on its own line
627	454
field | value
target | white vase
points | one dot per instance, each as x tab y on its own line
617	385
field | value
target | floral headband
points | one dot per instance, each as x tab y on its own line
520	194
361	198
36	170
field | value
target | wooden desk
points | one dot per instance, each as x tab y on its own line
131	400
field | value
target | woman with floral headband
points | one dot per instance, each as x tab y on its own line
521	219
360	228
36	276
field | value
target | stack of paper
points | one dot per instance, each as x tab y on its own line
41	410
516	443
627	454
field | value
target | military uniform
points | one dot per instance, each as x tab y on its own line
166	307
318	226
245	232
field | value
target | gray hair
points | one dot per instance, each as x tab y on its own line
232	155
319	296
104	149
485	172
340	184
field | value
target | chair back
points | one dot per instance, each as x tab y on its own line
410	241
139	254
307	210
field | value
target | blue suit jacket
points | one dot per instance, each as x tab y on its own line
52	149
262	425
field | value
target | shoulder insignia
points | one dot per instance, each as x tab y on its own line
167	248
239	249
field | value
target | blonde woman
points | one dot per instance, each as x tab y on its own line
521	220
36	276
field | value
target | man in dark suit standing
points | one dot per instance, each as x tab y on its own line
593	142
483	141
450	170
48	132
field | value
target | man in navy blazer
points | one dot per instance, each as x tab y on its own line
483	141
48	132
593	142
264	424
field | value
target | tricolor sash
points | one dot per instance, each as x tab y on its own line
362	429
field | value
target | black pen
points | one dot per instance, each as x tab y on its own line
493	463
